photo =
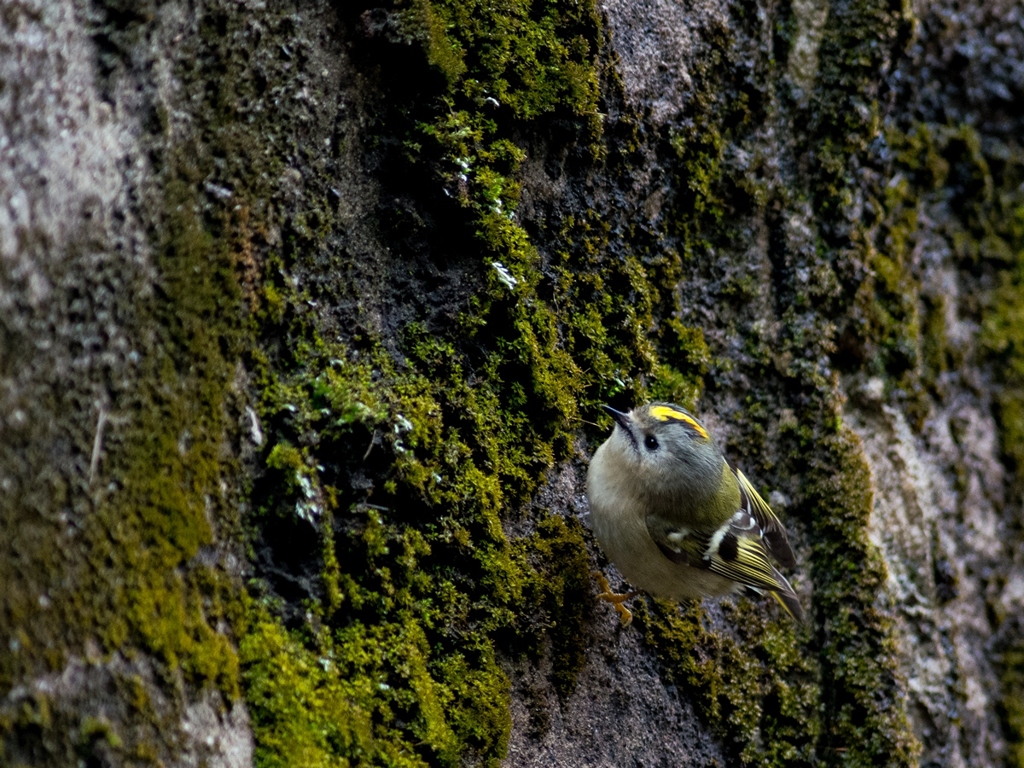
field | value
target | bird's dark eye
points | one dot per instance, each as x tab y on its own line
651	442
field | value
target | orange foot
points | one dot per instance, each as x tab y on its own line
616	599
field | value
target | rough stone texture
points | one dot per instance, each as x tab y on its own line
70	246
314	413
621	713
658	43
940	547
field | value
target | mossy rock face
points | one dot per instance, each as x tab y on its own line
302	362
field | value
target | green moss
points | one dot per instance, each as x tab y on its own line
757	689
142	577
687	651
427	560
453	433
534	58
133	584
859	39
560	593
169	466
1002	335
94	728
866	717
699	148
871	248
987	233
609	336
681	378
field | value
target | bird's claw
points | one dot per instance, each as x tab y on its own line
615	598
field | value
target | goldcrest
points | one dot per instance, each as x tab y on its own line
676	519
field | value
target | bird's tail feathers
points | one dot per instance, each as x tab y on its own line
787	597
788	601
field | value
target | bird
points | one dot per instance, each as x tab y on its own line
676	519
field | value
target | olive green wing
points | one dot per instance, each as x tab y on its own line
730	551
772	531
735	551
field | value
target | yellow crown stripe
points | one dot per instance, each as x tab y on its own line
666	413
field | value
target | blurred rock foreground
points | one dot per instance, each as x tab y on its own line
307	311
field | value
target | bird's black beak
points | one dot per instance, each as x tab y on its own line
622	419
